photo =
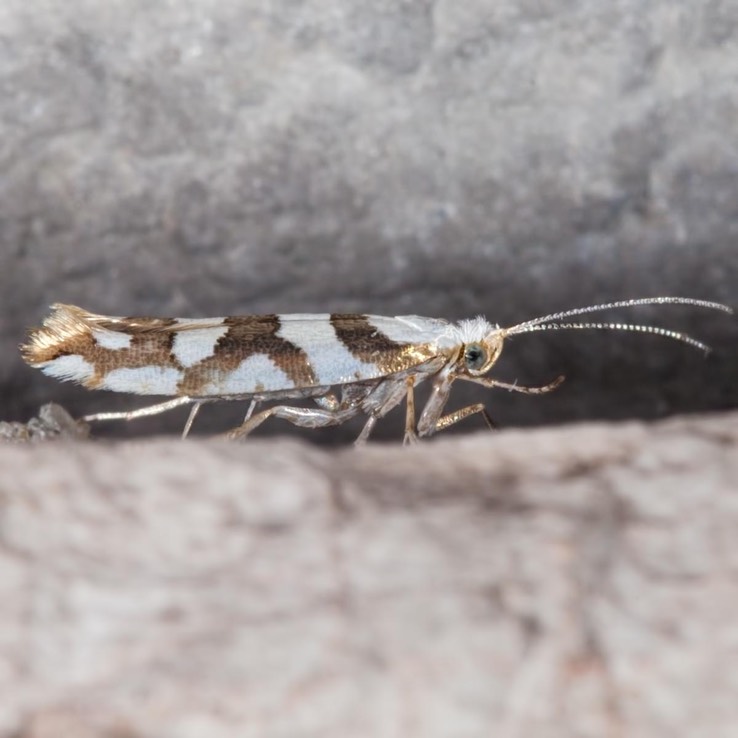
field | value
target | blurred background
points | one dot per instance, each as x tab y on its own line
447	159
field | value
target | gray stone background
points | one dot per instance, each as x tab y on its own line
162	589
442	158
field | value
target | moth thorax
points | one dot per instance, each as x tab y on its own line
478	357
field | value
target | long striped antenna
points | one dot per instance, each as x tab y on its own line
552	322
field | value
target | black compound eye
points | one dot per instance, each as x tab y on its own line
474	356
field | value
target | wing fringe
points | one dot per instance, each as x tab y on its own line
69	322
64	324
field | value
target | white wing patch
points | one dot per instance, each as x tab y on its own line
145	380
185	323
331	361
113	340
72	367
191	347
409	328
303	317
256	373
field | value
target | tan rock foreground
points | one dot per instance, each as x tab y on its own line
573	581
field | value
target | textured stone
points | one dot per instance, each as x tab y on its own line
53	422
577	581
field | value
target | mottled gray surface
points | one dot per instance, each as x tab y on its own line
52	423
441	158
536	584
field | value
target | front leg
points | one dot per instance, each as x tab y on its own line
451	418
490	382
433	420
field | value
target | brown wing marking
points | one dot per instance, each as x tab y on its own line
69	331
247	336
367	343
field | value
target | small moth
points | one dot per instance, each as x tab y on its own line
349	364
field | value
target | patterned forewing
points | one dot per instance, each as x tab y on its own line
227	356
302	351
251	356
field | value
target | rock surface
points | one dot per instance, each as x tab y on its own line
550	583
53	422
439	158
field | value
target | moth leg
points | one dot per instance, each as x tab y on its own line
250	411
191	419
410	437
433	410
451	418
196	409
489	382
142	412
328	401
300	416
380	399
362	438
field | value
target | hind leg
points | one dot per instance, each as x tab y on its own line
300	416
142	412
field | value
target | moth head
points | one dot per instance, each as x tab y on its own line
478	357
474	346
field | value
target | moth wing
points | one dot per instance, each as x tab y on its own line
240	355
348	347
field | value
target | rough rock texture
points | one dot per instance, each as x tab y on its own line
443	158
579	581
53	423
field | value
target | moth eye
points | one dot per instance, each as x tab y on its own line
474	356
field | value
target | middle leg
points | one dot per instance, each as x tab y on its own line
383	397
411	435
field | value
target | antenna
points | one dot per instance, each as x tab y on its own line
551	322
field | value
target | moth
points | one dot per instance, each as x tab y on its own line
348	364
